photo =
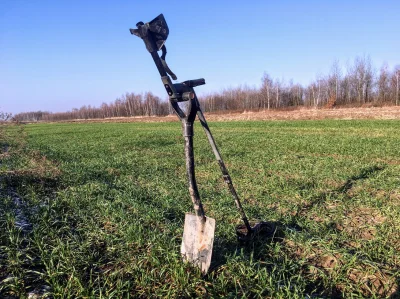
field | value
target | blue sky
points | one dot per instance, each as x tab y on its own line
57	55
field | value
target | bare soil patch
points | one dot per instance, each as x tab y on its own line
373	281
316	257
369	280
361	222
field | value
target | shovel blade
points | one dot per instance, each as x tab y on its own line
197	241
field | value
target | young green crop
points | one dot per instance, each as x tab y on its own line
107	205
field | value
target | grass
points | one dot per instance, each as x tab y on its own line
107	201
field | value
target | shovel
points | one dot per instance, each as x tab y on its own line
198	233
197	241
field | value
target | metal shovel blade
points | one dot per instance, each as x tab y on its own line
197	241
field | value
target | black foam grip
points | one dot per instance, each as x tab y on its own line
196	82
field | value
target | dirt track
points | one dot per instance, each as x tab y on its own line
298	114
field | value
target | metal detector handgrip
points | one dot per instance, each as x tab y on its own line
194	83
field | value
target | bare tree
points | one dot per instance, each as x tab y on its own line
362	74
266	87
384	84
334	79
5	116
395	84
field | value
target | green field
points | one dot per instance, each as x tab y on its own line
107	202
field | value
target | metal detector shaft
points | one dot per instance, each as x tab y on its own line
224	170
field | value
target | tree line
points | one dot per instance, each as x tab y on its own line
359	84
130	104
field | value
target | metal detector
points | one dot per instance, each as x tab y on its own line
198	234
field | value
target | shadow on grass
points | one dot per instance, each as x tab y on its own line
322	197
226	248
22	180
364	174
396	294
336	193
18	248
